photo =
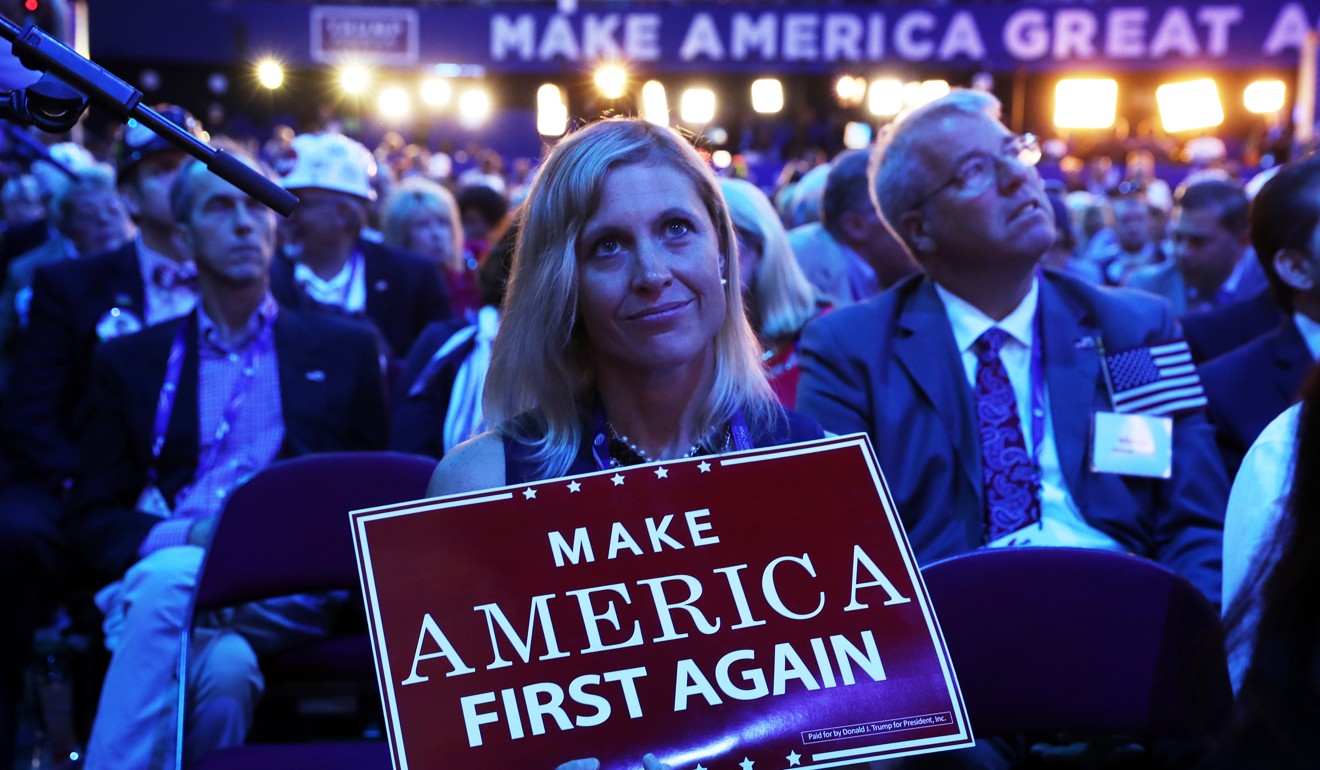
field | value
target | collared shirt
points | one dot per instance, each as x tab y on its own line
1310	331
347	289
862	280
169	287
227	457
1061	522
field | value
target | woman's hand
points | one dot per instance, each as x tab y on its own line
649	762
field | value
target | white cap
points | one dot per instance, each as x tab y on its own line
331	162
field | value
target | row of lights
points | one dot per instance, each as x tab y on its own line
1080	103
1089	103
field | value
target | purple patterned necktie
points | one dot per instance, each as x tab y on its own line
1009	484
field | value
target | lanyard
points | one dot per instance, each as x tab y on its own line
600	442
1037	397
169	391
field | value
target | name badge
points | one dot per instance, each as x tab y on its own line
1132	445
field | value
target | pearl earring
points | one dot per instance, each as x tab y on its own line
724	282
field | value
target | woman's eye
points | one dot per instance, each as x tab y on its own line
678	227
606	247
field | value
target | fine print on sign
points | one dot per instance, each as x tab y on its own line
752	611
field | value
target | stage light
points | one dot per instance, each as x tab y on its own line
353	79
394	103
655	105
436	92
1085	103
551	111
270	74
721	159
1265	97
611	80
474	107
885	97
850	90
930	90
767	96
697	105
1189	106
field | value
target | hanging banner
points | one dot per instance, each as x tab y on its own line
752	610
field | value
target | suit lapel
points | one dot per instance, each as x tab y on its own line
303	387
1071	361
1293	359
925	348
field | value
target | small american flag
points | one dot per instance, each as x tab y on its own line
1159	380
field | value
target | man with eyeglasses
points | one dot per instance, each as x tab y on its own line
982	379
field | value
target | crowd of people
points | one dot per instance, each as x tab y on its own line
164	337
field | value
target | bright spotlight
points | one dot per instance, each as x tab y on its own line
767	95
611	80
856	136
549	93
436	92
850	90
353	79
655	105
697	105
1189	106
394	102
270	74
551	118
1265	97
932	90
474	107
885	98
721	159
1085	103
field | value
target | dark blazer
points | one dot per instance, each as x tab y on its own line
890	367
417	421
1212	333
332	398
405	292
43	415
1250	386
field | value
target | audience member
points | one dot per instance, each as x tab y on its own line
1250	386
422	216
183	412
337	269
624	222
76	304
1132	243
89	217
1213	264
1063	254
848	255
940	370
482	208
1272	576
778	297
438	403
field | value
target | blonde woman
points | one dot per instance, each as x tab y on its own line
779	298
422	216
623	338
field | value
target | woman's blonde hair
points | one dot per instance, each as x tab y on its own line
781	300
420	195
541	383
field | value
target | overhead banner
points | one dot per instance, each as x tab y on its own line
714	38
756	610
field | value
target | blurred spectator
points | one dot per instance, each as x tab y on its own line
23	201
779	298
336	269
482	208
489	172
438	403
1130	244
1063	255
1248	387
1213	264
849	254
421	216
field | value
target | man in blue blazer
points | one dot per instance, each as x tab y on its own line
182	413
912	366
1253	384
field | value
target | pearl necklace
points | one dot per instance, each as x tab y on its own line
635	455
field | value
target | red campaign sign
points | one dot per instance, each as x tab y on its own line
757	610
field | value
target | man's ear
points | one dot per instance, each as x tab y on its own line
914	230
1294	269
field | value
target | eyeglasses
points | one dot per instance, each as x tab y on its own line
979	170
